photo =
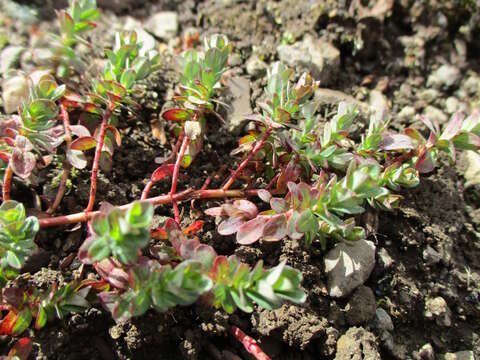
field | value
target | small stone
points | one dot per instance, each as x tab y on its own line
349	266
451	105
472	172
255	66
407	113
235	60
361	307
320	57
9	57
444	77
239	88
428	95
460	355
115	331
426	352
357	344
431	256
163	24
383	321
384	259
438	310
435	114
333	97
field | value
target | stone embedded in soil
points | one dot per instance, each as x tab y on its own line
320	57
14	91
384	259
460	355
163	24
357	344
379	103
431	256
361	306
383	321
255	66
444	77
349	266
435	114
239	93
326	96
298	326
426	352
438	310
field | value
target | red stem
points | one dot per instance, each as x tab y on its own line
7	181
249	344
185	195
244	163
96	160
176	171
146	190
66	165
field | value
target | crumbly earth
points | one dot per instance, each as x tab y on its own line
430	247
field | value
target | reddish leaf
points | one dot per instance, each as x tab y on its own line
111	271
76	158
162	172
218	262
8	323
193	228
159	234
275	229
21	349
425	162
116	134
247	207
72	99
264	195
414	134
79	130
177	115
83	143
251	231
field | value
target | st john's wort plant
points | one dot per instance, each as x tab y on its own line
17	233
199	82
177	274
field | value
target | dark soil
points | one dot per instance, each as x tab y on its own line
401	48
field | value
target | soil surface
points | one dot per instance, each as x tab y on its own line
422	300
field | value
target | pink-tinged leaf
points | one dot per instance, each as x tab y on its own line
215	211
4	156
23	163
111	271
278	205
79	131
76	158
452	152
220	261
162	172
83	143
396	142
180	115
414	134
205	254
251	231
432	140
187	248
425	163
116	134
432	126
231	225
21	350
247	207
275	229
8	323
453	127
264	195
23	144
72	99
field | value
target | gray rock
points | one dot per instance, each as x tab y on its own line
9	56
320	57
349	266
357	344
326	96
460	355
428	95
239	88
438	310
444	77
435	114
383	321
451	105
361	307
407	113
426	352
255	66
163	24
431	256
